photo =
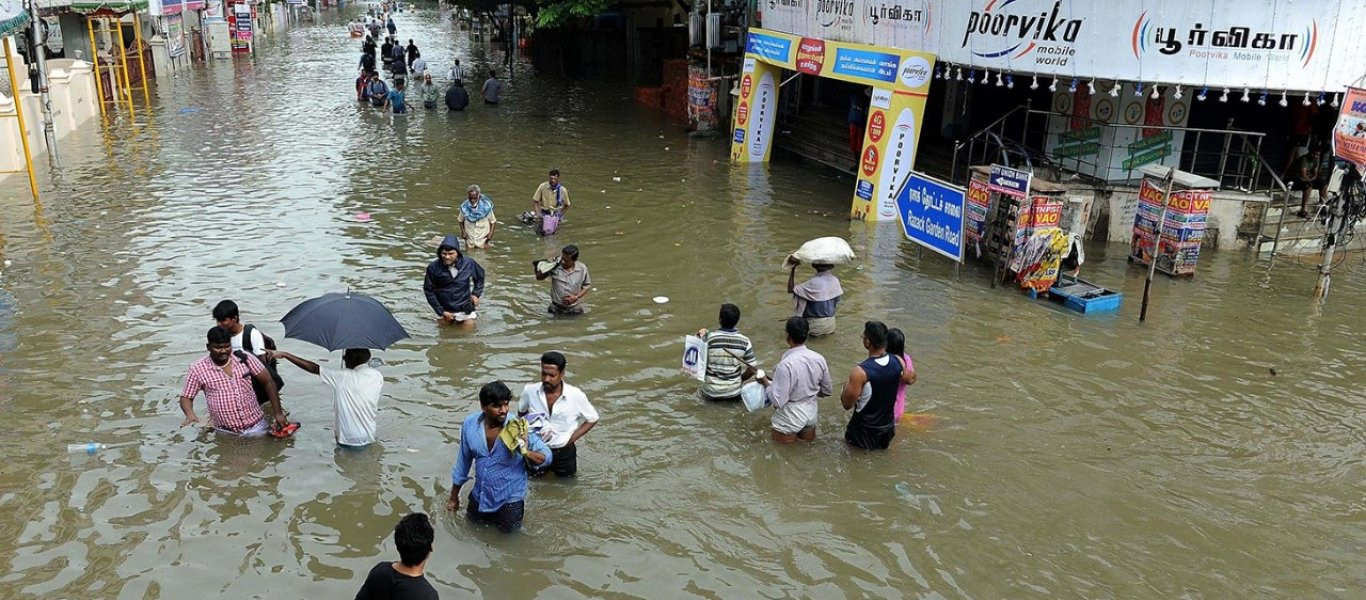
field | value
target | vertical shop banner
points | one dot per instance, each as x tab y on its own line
1349	135
931	213
756	112
241	28
175	35
1039	242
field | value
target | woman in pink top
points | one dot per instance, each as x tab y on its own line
896	346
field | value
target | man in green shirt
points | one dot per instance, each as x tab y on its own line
428	92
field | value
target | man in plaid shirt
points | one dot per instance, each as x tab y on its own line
225	378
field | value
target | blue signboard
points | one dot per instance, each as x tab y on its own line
739	135
1008	181
931	213
864	190
774	49
866	64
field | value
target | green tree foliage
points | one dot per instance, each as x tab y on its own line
557	12
547	13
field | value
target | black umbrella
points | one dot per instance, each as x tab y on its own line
336	321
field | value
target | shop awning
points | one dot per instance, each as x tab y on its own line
116	7
13	17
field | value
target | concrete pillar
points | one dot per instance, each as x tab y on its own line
59	90
84	94
11	151
161	57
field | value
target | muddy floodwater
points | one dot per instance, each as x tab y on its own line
1213	452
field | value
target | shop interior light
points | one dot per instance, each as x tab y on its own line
1156	94
1261	100
1114	92
1177	94
986	77
1247	95
1000	80
958	73
1284	102
1335	101
1306	99
1053	85
1224	98
1034	85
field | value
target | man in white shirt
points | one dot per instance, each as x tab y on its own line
562	412
355	390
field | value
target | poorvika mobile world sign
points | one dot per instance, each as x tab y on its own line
1301	45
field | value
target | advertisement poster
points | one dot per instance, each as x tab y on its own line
978	206
240	21
1034	229
1182	231
701	100
1349	135
175	35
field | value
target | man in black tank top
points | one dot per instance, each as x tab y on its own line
871	426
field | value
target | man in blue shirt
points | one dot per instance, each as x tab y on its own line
397	99
500	471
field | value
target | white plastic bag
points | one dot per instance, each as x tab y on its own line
826	250
754	395
695	357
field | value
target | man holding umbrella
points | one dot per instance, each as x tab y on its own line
453	284
355	390
355	322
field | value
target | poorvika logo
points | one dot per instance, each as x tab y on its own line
1238	43
1004	33
831	12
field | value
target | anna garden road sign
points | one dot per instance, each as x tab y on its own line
1008	181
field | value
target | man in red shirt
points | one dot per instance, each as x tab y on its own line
225	378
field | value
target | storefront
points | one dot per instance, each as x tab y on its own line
898	83
1124	81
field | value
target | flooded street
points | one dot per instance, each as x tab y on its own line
1213	452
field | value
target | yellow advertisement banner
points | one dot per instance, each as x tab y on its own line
899	80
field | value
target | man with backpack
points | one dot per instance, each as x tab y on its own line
377	91
226	378
249	340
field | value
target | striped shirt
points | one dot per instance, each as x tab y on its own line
231	399
499	473
457	73
728	354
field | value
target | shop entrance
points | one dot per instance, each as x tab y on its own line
894	81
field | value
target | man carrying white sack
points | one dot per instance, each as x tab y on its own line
817	299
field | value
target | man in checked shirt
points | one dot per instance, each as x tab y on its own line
225	378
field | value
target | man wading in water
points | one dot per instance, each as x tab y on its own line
872	427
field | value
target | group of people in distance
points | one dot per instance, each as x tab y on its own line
400	61
875	390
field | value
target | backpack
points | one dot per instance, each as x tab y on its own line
272	366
